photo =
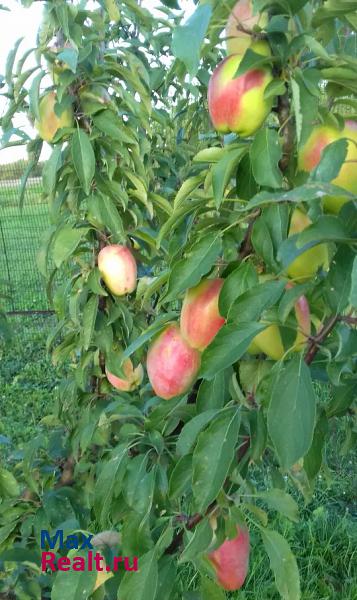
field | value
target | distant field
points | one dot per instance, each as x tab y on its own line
20	237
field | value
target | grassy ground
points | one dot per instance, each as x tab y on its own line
324	541
20	237
27	380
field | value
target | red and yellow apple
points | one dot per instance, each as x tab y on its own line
242	17
132	377
306	265
49	123
118	269
237	104
172	365
310	156
200	319
231	560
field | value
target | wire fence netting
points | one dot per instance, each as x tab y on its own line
22	287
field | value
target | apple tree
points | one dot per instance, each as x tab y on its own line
201	261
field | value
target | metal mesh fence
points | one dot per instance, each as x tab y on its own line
21	232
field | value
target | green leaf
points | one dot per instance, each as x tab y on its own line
188	38
198	541
250	305
186	189
295	88
139	485
265	154
111	218
70	57
65	243
291	413
213	456
283	564
110	475
112	126
6	530
180	479
83	159
141	585
214	393
303	193
337	289
230	343
274	88
211	590
154	329
9	68
353	293
342	398
73	585
167	578
190	431
223	171
269	231
332	158
188	271
50	169
327	228
282	502
8	484
89	317
34	94
251	60
239	281
313	459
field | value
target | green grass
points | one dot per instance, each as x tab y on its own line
20	237
324	540
27	380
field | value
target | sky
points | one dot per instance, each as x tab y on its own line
24	22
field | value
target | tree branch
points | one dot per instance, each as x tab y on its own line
316	341
246	247
287	128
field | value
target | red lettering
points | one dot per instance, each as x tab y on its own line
48	559
62	562
127	567
79	564
97	560
117	559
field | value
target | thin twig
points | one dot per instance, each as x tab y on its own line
316	341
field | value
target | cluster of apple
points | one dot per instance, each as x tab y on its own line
239	105
174	357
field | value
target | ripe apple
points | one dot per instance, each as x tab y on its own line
231	560
200	319
310	156
49	123
242	15
307	264
118	269
237	104
172	364
133	377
